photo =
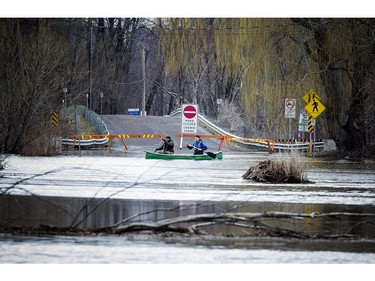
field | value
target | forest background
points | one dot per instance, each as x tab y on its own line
251	65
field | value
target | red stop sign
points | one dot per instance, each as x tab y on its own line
190	111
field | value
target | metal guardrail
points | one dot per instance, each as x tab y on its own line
257	145
94	120
80	142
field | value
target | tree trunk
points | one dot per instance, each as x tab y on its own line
345	105
362	75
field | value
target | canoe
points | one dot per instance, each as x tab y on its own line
152	155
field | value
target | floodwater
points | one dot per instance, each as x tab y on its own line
95	191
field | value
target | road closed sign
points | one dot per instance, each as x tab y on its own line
189	119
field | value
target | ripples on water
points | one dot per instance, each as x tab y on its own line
337	183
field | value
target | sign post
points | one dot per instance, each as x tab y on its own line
314	107
189	122
303	122
290	112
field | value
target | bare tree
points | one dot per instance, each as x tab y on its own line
33	60
43	56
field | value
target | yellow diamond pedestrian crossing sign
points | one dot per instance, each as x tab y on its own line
314	108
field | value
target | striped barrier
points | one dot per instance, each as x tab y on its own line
90	140
118	136
222	138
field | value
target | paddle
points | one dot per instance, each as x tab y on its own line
160	143
211	154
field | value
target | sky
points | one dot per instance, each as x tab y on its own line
191	8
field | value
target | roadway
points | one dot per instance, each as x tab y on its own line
136	124
171	125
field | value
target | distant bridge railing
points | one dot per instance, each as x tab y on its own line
263	144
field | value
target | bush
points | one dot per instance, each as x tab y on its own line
229	118
277	171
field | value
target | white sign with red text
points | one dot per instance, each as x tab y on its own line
189	123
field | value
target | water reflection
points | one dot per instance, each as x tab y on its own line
85	213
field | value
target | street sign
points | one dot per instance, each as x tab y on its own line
134	111
55	118
310	95
290	108
303	121
189	111
189	122
310	124
314	108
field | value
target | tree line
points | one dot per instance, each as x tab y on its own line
238	70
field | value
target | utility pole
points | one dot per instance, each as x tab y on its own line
65	90
101	106
144	80
90	67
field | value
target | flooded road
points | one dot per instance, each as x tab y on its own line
133	177
92	191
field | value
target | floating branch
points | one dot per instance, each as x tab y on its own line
194	223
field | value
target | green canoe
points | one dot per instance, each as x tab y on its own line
209	156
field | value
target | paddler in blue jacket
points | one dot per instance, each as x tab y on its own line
198	145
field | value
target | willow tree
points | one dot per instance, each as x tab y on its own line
264	61
257	63
186	54
268	58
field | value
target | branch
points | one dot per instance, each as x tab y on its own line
175	95
313	73
191	223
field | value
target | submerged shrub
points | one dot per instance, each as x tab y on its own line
277	171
